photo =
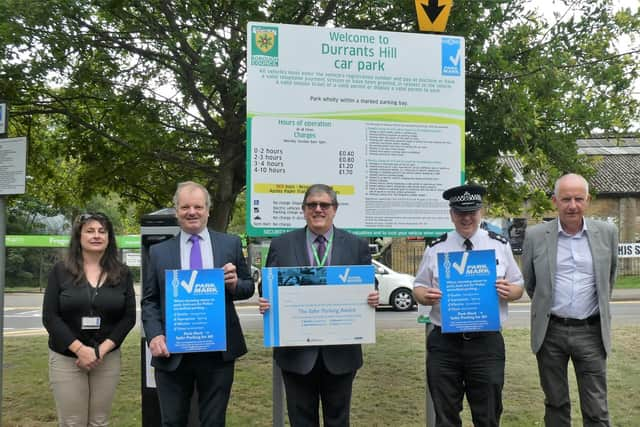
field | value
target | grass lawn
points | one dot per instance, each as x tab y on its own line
628	282
389	390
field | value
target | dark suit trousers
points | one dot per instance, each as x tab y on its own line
305	391
213	379
583	344
471	364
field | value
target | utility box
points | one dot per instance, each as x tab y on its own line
156	227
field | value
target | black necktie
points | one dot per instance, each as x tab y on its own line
468	245
322	247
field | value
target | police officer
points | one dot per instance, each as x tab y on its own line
471	362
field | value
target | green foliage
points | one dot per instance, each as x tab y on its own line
28	267
238	219
132	97
121	214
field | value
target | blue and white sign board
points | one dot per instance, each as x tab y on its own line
318	305
195	311
469	297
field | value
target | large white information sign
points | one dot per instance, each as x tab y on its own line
13	165
377	115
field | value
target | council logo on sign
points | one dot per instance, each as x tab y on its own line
264	46
452	56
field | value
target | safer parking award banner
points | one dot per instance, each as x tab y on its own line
195	310
318	305
469	298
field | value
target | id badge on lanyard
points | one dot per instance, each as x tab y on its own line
90	323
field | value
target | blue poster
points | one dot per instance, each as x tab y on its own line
195	311
469	297
318	305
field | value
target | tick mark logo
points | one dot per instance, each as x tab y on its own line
192	281
456	60
452	56
344	276
463	263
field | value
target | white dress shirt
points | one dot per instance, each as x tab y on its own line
574	291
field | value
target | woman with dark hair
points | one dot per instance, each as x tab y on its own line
88	309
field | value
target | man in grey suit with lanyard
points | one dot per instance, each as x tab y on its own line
318	373
569	268
210	372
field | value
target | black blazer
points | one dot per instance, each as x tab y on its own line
290	250
166	256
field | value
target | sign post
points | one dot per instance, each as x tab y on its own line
3	232
432	17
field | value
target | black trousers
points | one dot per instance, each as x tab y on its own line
471	364
211	376
304	393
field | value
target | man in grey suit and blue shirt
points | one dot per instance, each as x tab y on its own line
318	373
210	372
569	268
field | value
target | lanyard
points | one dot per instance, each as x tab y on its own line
326	253
93	295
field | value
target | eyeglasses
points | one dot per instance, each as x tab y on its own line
314	205
91	215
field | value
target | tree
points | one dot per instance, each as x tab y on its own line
139	95
29	266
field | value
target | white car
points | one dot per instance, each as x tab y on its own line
395	288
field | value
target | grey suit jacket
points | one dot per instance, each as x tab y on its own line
539	257
166	256
290	250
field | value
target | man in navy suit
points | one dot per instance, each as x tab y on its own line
318	373
211	372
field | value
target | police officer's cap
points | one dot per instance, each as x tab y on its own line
465	198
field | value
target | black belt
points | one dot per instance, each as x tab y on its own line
467	336
566	321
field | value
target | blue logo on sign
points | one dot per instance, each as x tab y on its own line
452	56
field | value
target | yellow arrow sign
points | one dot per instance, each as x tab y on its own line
433	14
